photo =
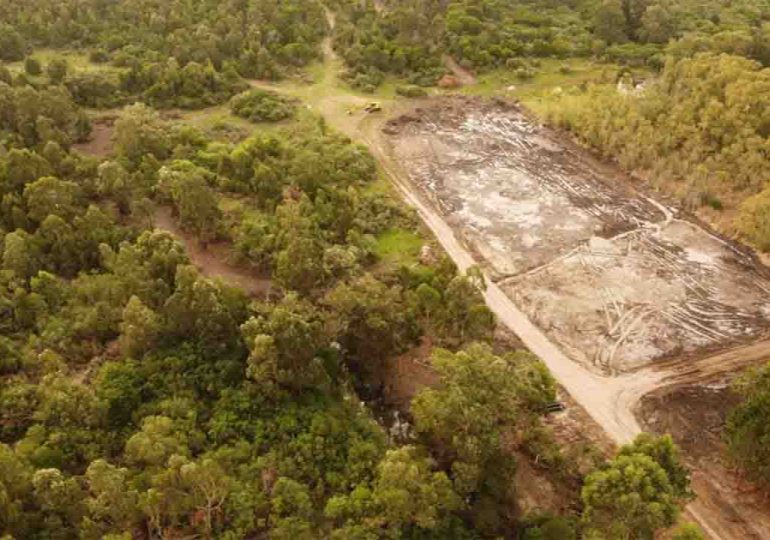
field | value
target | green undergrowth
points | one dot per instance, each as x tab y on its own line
398	247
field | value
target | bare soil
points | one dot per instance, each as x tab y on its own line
212	259
610	275
695	415
100	142
463	75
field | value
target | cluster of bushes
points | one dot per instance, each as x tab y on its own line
193	86
32	117
641	32
262	106
409	39
211	46
487	34
398	40
700	130
411	91
162	84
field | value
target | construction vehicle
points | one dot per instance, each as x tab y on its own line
373	107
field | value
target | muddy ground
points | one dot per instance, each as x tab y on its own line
614	277
695	416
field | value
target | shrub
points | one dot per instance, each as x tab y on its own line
32	66
262	106
524	74
411	91
57	70
98	56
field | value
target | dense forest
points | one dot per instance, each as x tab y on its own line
409	38
180	54
141	399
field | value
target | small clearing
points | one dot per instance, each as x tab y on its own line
99	143
212	259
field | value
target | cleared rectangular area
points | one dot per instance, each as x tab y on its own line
610	275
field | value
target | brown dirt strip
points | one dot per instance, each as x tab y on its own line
211	260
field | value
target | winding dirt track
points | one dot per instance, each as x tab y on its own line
212	260
610	401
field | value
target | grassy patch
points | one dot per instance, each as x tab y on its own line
76	61
551	79
398	247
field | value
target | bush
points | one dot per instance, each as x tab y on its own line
524	74
32	66
98	56
12	45
754	220
262	106
57	70
95	89
411	91
5	75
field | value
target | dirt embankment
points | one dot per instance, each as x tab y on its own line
695	415
212	259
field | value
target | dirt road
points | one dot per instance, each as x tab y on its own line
610	401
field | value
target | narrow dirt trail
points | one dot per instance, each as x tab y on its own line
463	75
327	45
211	260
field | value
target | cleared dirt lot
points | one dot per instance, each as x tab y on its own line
610	275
